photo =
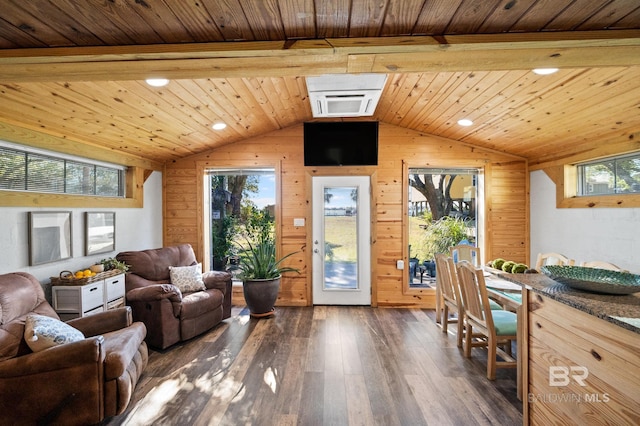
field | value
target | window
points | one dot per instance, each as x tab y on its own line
442	211
32	170
616	175
242	204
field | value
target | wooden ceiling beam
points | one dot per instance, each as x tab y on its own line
313	57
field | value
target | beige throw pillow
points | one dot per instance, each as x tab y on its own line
187	278
42	332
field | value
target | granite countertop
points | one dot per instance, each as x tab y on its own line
622	310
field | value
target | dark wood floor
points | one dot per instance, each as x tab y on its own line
323	366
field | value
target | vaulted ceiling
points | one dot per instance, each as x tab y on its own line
72	72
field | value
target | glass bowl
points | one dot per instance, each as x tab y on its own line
594	279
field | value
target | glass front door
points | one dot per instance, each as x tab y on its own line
341	241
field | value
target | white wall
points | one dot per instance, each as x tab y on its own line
611	235
136	229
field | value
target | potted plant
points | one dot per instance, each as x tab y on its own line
111	263
260	273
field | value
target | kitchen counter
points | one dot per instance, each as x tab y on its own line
622	310
579	352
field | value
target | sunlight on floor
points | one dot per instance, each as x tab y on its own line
270	379
154	403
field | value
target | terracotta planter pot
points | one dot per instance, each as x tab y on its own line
261	295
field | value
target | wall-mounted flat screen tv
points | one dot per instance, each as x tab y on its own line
342	143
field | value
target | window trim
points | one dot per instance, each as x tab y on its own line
481	218
134	190
565	177
580	170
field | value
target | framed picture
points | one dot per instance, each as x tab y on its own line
100	232
49	237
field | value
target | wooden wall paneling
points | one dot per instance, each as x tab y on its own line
180	198
374	237
397	146
507	186
488	252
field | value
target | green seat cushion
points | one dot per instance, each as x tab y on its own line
515	296
494	305
505	323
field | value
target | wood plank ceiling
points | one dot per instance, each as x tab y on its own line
538	117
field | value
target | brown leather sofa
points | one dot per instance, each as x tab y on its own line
82	382
170	315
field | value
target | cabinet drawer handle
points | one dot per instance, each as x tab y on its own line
93	289
115	282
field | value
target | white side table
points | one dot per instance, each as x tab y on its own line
78	301
102	292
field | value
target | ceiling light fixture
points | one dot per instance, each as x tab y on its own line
218	126
157	82
545	71
465	122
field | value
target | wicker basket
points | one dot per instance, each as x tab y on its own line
67	278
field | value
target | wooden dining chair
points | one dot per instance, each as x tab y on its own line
495	329
553	259
601	265
466	252
451	299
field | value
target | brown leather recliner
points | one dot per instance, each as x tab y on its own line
170	315
74	383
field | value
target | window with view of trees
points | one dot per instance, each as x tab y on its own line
23	170
242	206
617	175
442	213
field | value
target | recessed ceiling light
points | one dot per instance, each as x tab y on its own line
218	126
157	82
545	71
465	122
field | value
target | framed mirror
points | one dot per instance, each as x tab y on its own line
49	237
100	232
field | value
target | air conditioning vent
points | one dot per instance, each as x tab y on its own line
344	104
345	95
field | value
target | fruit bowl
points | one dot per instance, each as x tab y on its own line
594	279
